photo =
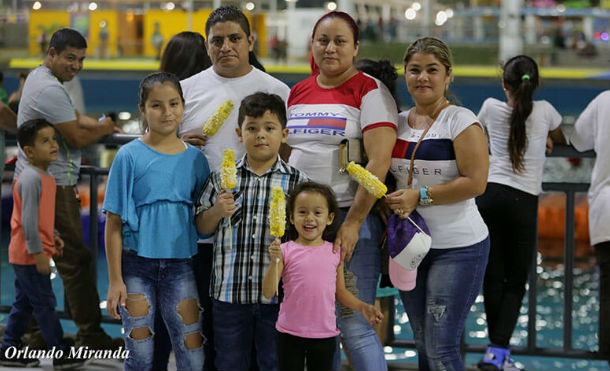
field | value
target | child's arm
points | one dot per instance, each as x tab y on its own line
207	221
117	292
349	300
274	272
30	190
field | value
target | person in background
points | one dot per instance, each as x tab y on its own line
336	102
13	100
385	71
592	132
449	169
185	55
44	96
233	76
518	132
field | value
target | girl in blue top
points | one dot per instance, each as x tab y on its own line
150	230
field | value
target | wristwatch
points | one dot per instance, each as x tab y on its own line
424	196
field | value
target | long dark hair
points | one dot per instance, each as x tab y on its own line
185	55
521	80
383	70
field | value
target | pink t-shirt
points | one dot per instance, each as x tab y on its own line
310	283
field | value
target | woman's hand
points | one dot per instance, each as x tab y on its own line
117	293
275	252
371	313
225	204
403	201
195	138
346	239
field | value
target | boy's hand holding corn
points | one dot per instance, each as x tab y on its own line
225	204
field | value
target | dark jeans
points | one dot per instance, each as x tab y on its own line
294	351
74	269
448	282
602	250
239	326
512	218
202	265
202	268
33	294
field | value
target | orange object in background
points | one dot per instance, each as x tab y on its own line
551	223
85	198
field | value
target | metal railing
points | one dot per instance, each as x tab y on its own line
531	349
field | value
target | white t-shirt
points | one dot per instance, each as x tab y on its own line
319	119
451	225
495	116
592	131
206	91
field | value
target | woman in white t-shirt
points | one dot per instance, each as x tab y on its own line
449	170
336	103
519	131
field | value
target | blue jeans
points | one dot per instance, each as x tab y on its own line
239	326
361	276
448	282
167	286
33	294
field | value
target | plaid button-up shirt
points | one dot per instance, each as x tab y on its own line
238	271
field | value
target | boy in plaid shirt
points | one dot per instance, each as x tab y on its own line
242	315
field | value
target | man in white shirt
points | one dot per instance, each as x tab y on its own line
229	44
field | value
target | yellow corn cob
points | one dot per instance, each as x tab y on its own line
367	180
228	172
218	118
277	212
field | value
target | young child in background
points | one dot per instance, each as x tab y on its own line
240	220
519	130
150	230
33	243
312	279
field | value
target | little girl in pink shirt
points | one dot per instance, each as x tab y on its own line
312	279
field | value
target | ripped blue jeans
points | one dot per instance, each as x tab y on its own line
167	286
448	282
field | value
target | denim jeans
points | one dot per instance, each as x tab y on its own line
202	268
33	294
361	276
165	284
239	326
448	282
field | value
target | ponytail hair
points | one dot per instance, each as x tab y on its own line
521	79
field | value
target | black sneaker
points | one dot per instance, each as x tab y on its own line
65	363
9	358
